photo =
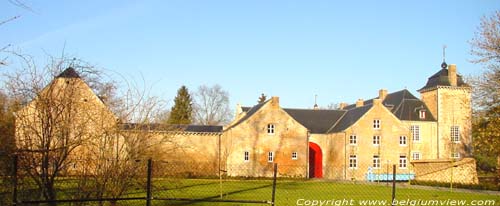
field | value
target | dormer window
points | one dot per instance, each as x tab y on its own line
270	129
422	114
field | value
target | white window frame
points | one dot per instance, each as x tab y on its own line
376	162
270	157
246	156
271	129
353	140
403	162
416	156
376	140
376	124
415	133
421	114
455	134
403	141
353	162
455	155
295	156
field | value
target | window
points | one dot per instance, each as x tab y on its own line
376	140
353	140
455	155
455	134
415	156
415	131
422	114
376	161
270	157
402	162
270	129
246	156
376	124
294	156
353	162
402	140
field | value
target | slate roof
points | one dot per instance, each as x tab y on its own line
70	72
351	116
403	104
316	121
441	79
176	127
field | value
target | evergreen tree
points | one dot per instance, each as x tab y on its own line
181	112
262	98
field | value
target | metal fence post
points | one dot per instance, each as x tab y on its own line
148	187
274	184
393	183
14	180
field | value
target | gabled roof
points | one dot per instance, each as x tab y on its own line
403	104
441	79
349	118
249	112
68	73
316	121
172	127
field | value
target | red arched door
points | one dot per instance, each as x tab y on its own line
315	161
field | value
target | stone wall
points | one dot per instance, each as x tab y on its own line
463	171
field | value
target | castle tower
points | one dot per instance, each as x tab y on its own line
448	98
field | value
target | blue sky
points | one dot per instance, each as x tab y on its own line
338	50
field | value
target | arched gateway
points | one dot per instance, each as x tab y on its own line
315	161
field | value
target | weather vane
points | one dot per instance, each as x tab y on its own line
444	65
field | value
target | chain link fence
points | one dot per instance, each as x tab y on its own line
208	183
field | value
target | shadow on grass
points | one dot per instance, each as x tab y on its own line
214	198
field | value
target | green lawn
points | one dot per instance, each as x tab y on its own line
293	192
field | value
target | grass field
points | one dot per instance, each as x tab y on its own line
291	192
302	192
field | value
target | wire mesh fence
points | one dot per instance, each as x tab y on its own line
207	183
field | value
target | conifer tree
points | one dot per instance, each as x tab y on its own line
262	98
181	112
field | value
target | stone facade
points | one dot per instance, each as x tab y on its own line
356	142
446	170
269	136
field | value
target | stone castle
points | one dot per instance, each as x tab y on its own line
427	138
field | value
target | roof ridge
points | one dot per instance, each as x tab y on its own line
335	123
315	109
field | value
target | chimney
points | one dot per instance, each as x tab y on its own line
275	101
382	93
377	101
239	110
359	103
452	74
342	105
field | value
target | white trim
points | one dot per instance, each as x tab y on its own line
355	163
416	153
270	157
295	156
271	129
355	139
405	141
404	163
246	156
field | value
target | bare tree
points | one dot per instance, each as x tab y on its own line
59	116
211	105
117	161
486	90
22	5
